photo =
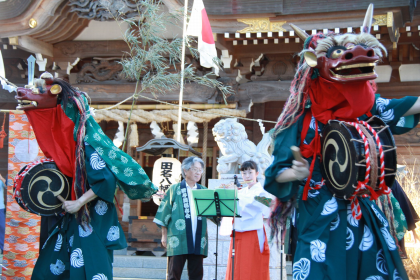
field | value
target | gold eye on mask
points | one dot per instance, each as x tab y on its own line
337	53
55	89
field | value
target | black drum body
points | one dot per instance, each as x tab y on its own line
40	187
344	160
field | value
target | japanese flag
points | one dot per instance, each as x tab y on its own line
199	25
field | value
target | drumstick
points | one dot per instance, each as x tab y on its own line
296	154
61	198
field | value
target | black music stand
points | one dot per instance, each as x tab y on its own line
215	205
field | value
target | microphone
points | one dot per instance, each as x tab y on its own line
236	181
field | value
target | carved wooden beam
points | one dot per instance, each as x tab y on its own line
33	45
66	51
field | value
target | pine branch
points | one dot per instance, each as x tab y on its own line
151	57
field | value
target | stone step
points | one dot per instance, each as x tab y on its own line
139	262
143	273
147	268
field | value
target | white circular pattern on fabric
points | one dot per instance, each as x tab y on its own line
379	216
141	171
396	224
101	132
83	233
174	206
318	249
367	240
97	137
71	240
148	194
96	161
350	219
113	233
100	276
115	148
375	277
101	207
112	154
76	258
381	104
180	224
380	262
57	268
301	269
167	218
312	125
312	193
402	217
178	192
388	238
124	159
203	242
400	235
173	242
329	207
100	151
115	169
58	243
349	239
387	116
132	183
128	172
401	122
335	223
396	275
132	192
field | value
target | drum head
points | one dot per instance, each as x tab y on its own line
342	150
338	159
390	154
41	186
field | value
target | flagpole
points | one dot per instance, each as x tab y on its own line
181	91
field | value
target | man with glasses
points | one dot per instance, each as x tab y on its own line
183	233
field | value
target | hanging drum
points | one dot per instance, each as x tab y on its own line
38	185
344	149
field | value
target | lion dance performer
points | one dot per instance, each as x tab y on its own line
342	234
81	245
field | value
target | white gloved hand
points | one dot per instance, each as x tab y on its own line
300	169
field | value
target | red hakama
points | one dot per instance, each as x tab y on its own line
250	263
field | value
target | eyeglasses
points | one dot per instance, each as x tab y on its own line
196	170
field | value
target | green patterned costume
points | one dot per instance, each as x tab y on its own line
75	251
174	214
332	244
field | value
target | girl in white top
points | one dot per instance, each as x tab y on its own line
252	253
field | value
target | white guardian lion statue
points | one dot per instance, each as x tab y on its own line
233	142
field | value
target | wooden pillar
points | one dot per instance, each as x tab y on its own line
139	158
214	167
205	129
